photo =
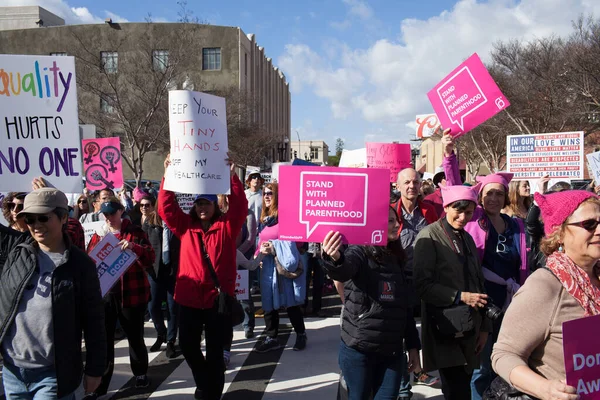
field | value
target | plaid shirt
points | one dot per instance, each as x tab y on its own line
135	288
76	233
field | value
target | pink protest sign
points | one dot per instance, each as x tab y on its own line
102	163
467	97
582	356
393	156
315	200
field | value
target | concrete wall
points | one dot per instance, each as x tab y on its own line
27	18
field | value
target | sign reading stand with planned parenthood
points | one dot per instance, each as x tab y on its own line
316	200
559	155
198	132
467	97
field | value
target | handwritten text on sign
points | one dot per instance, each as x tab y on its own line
393	156
39	131
315	200
102	163
559	155
198	133
242	291
111	262
467	97
582	356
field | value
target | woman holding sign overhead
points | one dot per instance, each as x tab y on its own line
207	271
529	352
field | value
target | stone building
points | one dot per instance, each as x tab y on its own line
315	151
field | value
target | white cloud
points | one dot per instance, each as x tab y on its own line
341	25
359	8
71	15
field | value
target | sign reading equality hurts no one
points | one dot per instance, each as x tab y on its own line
39	127
198	133
582	356
559	155
111	261
467	97
315	200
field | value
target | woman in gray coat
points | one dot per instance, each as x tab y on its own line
449	281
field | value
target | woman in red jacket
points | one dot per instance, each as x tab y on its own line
128	300
204	227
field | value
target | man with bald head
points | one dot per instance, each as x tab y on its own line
414	216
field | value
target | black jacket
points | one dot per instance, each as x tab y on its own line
9	239
535	233
378	313
76	307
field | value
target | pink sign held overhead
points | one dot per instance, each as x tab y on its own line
467	97
392	156
102	163
315	200
582	356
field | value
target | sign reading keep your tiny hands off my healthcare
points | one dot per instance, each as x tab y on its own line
467	97
198	133
39	127
315	200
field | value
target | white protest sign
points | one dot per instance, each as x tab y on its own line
198	133
185	201
89	228
593	160
242	291
275	169
111	262
39	126
354	158
267	177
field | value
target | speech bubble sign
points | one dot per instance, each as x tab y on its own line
315	200
467	97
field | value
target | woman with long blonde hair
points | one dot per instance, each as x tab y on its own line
519	196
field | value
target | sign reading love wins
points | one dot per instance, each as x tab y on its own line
102	163
393	156
198	133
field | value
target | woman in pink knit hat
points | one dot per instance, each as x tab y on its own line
501	247
529	352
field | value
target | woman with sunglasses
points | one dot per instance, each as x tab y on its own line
12	205
529	352
82	207
278	290
502	249
128	300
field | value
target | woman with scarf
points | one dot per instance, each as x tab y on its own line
282	280
501	247
449	281
529	352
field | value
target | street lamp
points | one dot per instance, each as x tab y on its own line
297	134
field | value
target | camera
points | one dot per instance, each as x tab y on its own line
491	311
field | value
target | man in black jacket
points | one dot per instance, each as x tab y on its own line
49	298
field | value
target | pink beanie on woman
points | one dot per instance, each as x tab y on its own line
138	194
557	207
502	178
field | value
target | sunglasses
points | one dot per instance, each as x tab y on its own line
265	194
589	225
32	219
501	247
81	201
145	205
18	207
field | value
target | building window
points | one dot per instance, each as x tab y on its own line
110	61
160	60
107	104
60	54
211	59
314	153
246	64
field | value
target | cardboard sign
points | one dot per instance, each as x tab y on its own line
198	132
467	97
242	288
559	155
89	228
111	262
315	200
393	156
593	162
267	176
354	158
39	126
102	163
582	356
426	125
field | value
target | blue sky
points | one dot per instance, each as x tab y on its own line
358	69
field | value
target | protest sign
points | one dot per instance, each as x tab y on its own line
111	261
354	158
267	176
39	126
593	160
102	163
559	155
582	356
242	291
315	200
185	201
392	156
89	228
467	97
275	169
426	125
198	133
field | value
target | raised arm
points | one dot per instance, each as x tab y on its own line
450	163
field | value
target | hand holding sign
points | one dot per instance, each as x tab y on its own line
332	245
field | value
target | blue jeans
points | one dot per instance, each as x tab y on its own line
31	384
484	375
405	386
249	320
163	289
367	374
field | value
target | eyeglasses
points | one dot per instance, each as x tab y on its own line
501	246
81	201
265	194
18	207
254	177
32	219
145	205
589	225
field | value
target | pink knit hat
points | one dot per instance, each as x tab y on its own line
502	178
557	207
450	194
138	194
